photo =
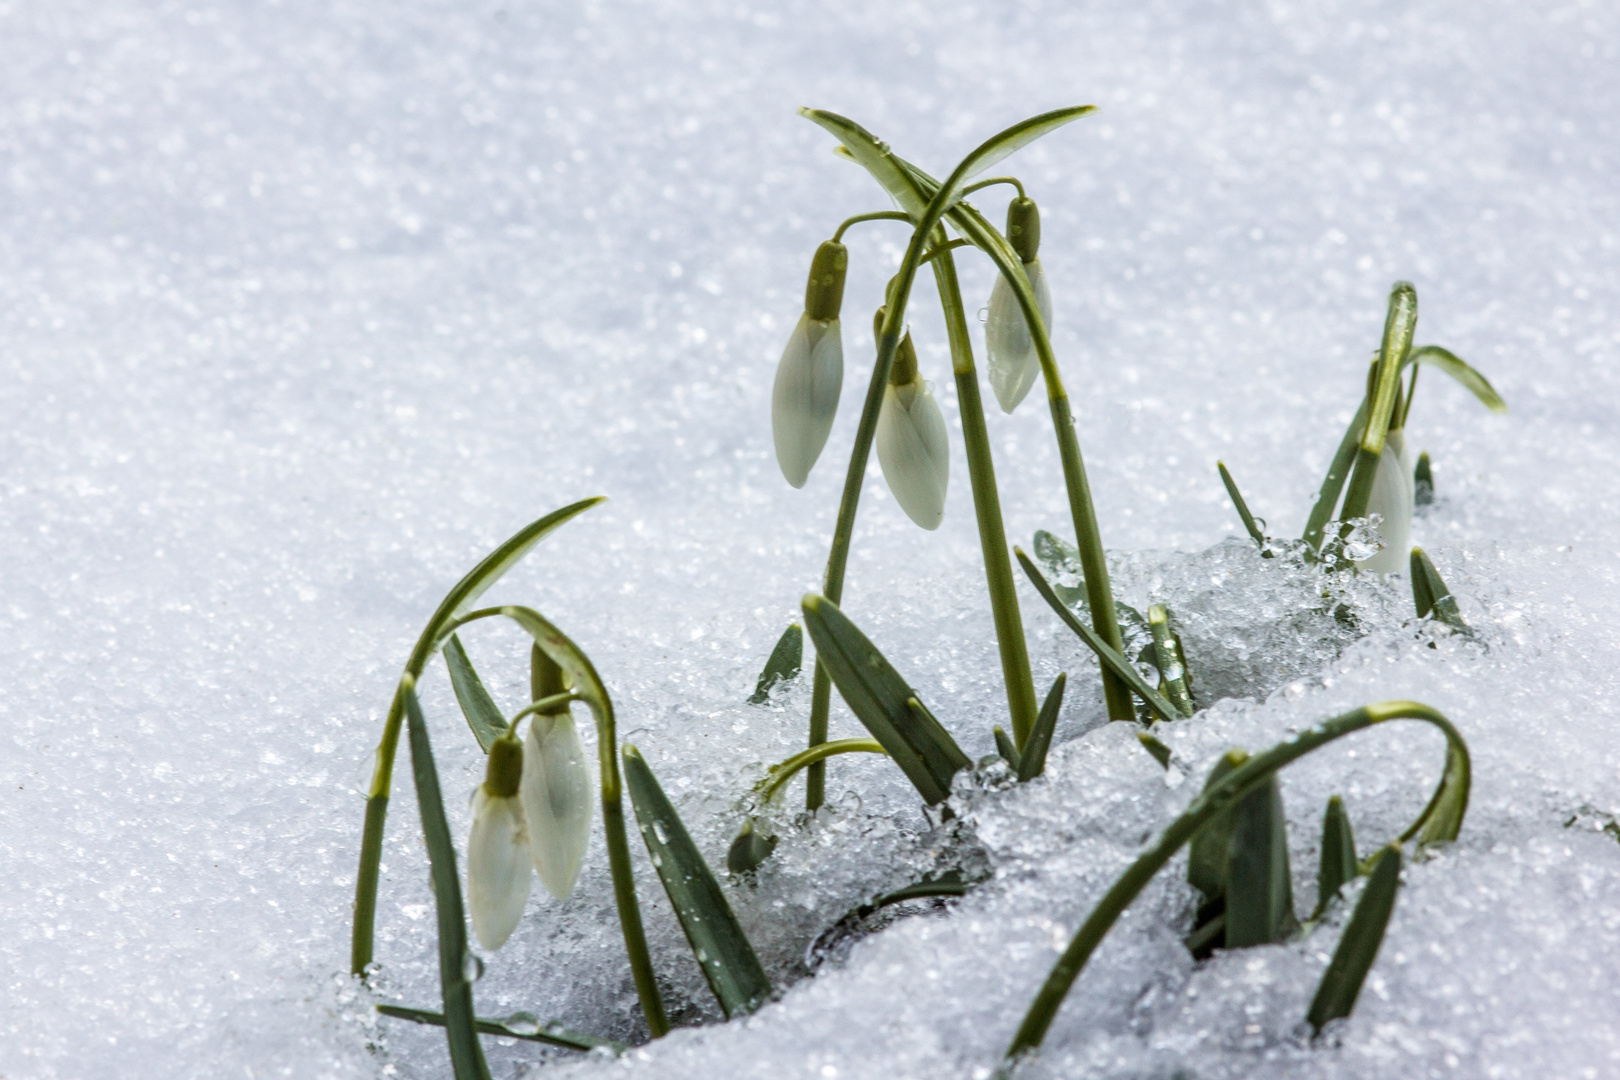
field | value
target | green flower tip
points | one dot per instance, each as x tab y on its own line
504	770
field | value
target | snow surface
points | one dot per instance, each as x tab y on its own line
304	306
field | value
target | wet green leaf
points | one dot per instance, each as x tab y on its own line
1358	947
1175	681
749	849
466	1055
1327	499
1160	752
784	664
1431	596
1004	746
517	1026
483	716
1259	887
1423	481
883	701
1338	863
1451	364
1249	522
1040	736
722	950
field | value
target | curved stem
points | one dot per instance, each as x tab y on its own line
589	689
1013	180
945	248
1009	622
1454	784
551	704
888	341
876	215
781	775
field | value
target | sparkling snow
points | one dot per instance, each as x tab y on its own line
305	306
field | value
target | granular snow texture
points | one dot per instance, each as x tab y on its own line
305	306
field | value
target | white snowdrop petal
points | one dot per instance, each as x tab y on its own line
804	399
914	453
1391	498
498	868
1014	363
557	797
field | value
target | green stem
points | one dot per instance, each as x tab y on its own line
1009	623
1088	539
982	184
1454	785
888	342
781	775
876	215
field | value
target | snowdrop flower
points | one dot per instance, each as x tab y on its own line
911	444
1392	498
556	787
498	875
1014	362
811	372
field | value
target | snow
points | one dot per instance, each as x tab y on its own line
305	306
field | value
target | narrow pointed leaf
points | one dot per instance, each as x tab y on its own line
1004	746
483	716
1252	526
784	664
1358	947
1327	499
1259	887
883	701
1109	656
517	1026
1431	595
1040	736
466	1055
1423	481
1209	854
1009	141
1061	557
872	154
1160	752
722	950
1457	368
1399	323
1175	681
1338	863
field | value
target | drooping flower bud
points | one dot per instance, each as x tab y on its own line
1014	363
1392	499
811	371
498	861
556	786
911	443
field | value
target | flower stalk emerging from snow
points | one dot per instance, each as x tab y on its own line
556	784
1392	500
1014	363
498	857
811	371
911	443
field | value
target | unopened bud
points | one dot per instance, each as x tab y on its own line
824	291
1024	228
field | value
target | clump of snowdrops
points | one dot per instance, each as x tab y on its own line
534	812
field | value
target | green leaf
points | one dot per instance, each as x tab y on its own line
1174	679
1062	558
1338	864
1249	522
1423	481
1004	143
1399	323
784	663
477	706
1160	752
466	1055
1110	658
1259	887
1040	736
883	701
1453	365
872	154
517	1026
1333	483
749	849
1209	854
722	950
1358	947
1004	746
1439	820
1431	595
